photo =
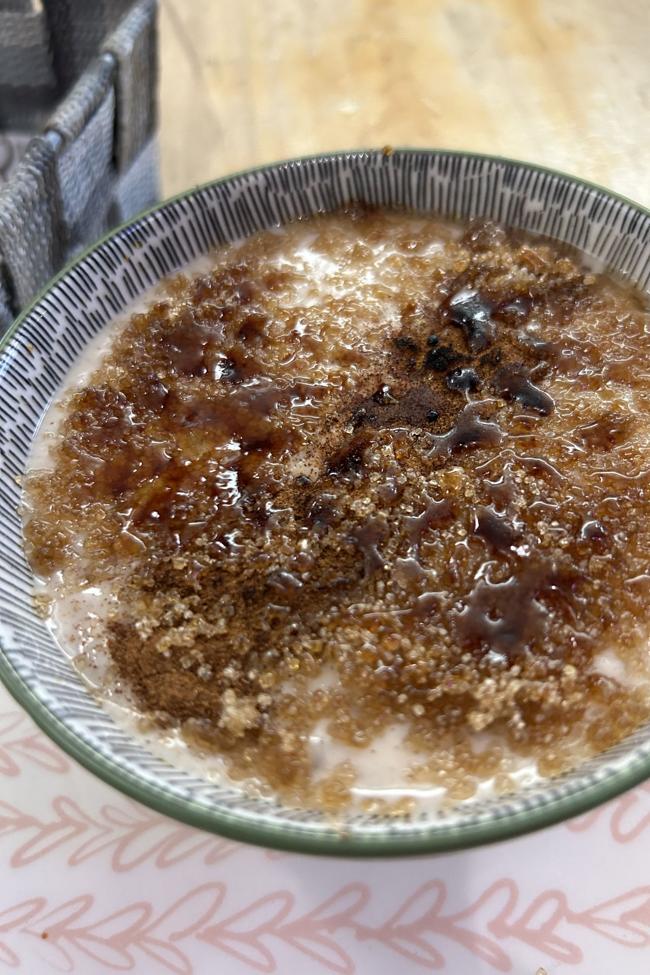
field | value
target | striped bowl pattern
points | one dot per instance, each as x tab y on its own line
47	339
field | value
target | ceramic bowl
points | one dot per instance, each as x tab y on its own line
49	336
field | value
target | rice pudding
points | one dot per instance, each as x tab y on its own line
361	506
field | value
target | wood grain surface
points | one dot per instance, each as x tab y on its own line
565	83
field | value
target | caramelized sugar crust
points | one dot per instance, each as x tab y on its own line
367	471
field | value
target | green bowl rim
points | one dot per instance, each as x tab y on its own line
438	839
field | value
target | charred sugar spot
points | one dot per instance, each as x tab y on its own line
491	358
442	358
359	417
384	395
348	461
405	343
412	408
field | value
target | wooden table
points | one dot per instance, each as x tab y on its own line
565	83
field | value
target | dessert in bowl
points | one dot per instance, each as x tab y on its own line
340	507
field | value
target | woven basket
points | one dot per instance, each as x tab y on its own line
78	151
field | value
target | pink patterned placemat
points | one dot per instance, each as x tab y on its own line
91	882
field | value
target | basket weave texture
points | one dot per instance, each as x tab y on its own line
78	148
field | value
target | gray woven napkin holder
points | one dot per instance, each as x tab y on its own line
95	162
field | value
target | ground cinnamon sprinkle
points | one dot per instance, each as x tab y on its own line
368	471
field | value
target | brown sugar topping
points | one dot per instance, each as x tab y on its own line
364	472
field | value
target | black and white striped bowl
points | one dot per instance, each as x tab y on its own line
47	339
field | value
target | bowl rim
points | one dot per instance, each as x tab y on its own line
446	837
